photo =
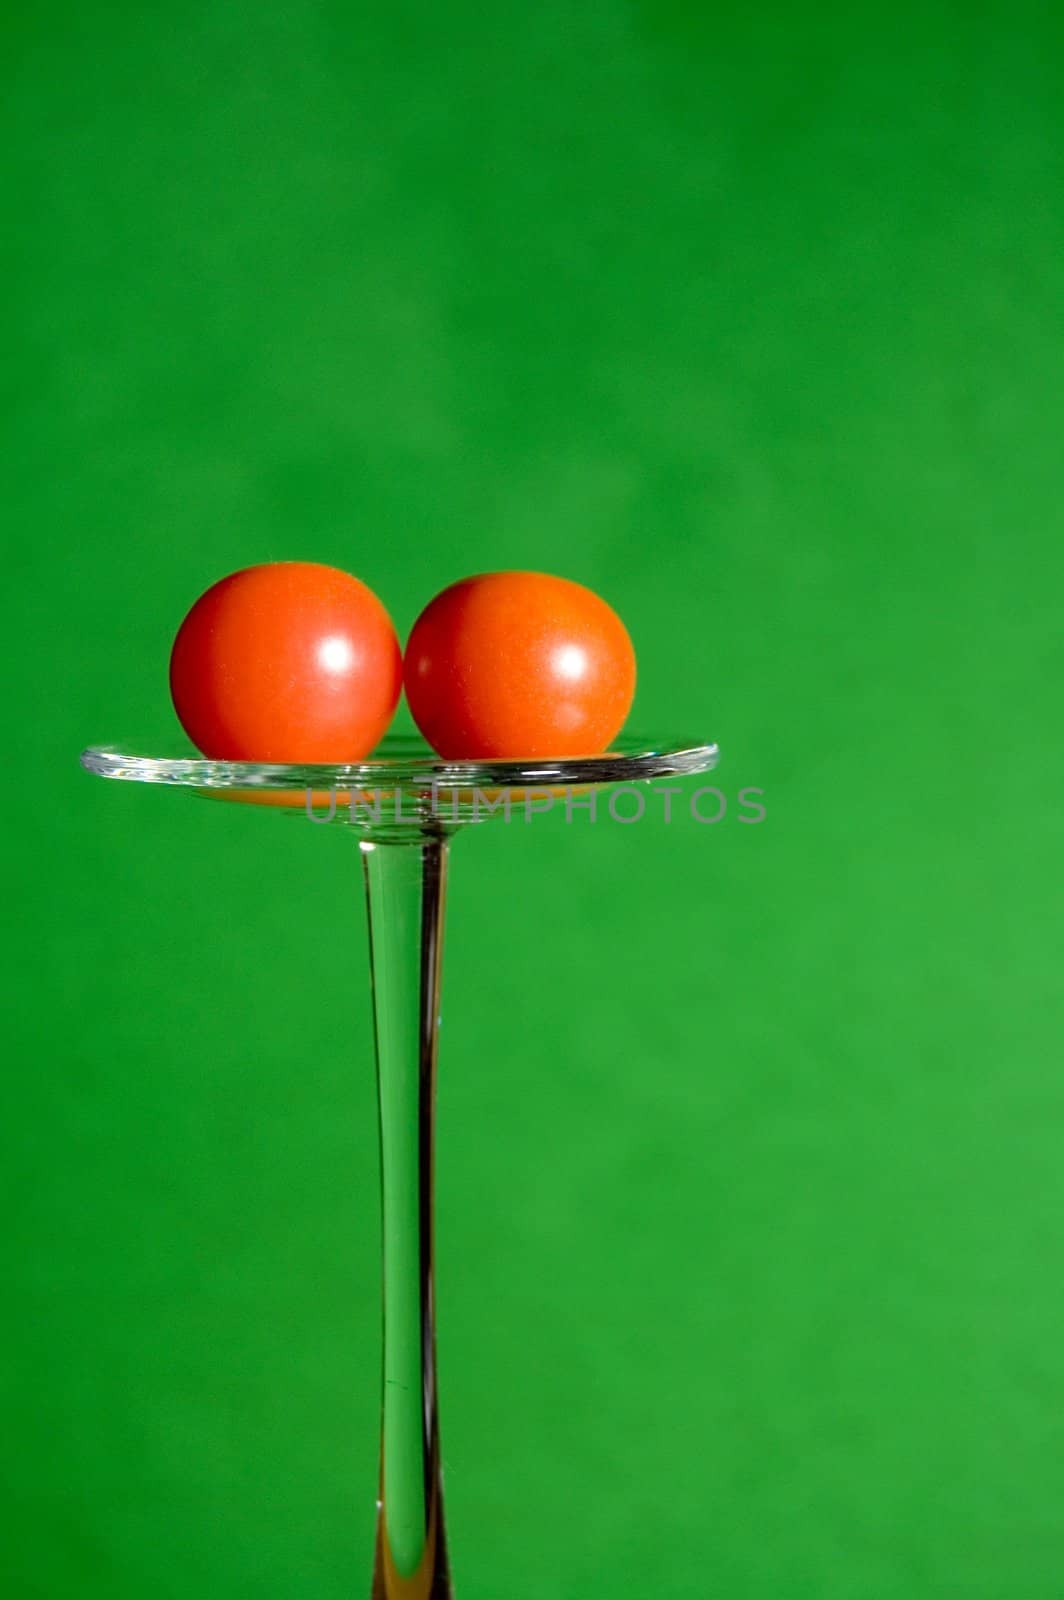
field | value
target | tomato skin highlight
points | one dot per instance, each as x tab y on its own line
509	665
290	661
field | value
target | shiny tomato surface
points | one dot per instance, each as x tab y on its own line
516	664
290	662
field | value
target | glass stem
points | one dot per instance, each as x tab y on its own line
405	883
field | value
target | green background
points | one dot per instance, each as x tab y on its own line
752	1138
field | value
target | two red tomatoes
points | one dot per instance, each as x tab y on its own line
296	662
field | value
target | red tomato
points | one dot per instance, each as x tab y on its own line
290	661
516	664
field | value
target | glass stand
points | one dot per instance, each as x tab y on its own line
405	887
405	806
